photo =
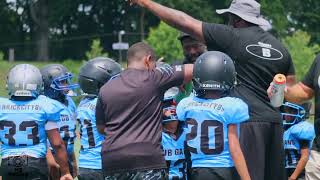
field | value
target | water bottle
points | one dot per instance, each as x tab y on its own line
277	90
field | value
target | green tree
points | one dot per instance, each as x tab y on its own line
95	50
164	40
201	9
275	12
304	15
302	52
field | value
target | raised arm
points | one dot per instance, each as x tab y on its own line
175	18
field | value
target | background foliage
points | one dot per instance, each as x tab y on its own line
67	27
63	30
164	40
302	51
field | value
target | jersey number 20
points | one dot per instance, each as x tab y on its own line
204	136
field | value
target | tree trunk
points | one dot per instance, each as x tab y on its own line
39	14
143	12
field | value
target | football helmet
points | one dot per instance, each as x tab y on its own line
213	70
57	80
96	72
170	105
293	113
24	80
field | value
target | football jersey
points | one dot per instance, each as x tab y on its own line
22	126
291	138
67	124
207	128
91	140
174	155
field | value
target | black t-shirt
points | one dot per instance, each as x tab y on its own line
130	106
312	80
258	57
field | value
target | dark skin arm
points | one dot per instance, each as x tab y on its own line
302	162
60	149
174	18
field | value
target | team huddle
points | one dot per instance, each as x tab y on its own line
208	118
38	123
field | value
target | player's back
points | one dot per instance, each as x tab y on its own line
207	128
91	139
22	126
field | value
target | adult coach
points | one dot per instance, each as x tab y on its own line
258	57
192	49
129	108
305	90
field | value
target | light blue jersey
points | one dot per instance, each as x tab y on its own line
174	155
291	138
22	126
67	124
91	140
207	128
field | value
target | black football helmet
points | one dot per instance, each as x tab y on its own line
213	70
96	72
57	81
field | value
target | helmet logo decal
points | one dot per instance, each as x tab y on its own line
267	52
210	85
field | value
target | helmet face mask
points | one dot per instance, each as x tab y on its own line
64	83
292	113
24	80
214	71
169	105
58	81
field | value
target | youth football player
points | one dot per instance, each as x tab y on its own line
297	138
173	137
27	120
92	76
57	84
212	118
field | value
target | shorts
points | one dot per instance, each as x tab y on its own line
155	174
209	173
262	147
90	174
24	168
312	169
